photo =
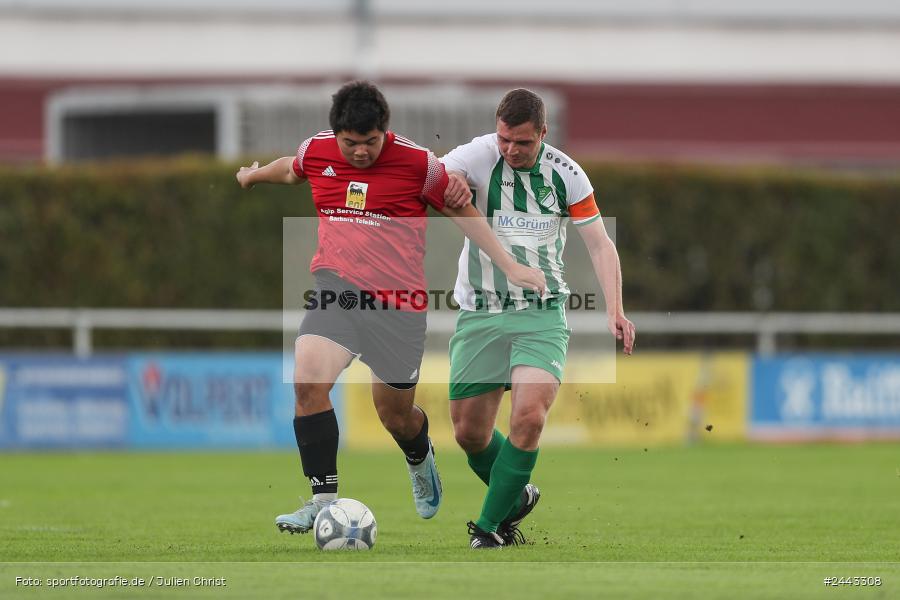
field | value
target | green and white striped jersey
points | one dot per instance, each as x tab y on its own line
528	211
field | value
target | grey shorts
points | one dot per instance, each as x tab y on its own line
390	341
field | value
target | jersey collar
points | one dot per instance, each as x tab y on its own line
536	169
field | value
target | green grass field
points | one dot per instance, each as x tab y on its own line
700	522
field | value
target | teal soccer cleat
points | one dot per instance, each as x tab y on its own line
301	520
426	484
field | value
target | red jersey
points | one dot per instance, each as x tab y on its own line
372	221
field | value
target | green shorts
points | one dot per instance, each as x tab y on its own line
486	346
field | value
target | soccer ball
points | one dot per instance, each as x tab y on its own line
345	524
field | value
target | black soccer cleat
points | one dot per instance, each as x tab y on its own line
483	540
509	527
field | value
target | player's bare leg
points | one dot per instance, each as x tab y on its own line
474	419
317	363
533	393
397	409
408	424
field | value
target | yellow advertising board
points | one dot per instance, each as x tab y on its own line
658	398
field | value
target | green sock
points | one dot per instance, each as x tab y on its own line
482	462
511	471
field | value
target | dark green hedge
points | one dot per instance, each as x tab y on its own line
703	239
183	234
150	235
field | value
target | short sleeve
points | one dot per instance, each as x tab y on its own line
467	158
436	181
584	211
455	160
298	160
579	185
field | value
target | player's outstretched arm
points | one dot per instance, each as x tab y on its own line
476	229
277	171
605	259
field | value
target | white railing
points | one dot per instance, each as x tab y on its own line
765	326
577	11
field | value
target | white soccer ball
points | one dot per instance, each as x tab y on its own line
345	524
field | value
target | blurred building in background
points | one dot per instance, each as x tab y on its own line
705	80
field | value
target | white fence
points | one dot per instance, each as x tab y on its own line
765	11
765	326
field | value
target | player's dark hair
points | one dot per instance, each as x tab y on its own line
521	106
359	106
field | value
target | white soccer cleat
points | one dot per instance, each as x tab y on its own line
302	519
426	483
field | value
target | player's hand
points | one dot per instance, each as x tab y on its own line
624	330
527	278
243	175
457	193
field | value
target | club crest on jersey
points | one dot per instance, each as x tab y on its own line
545	197
356	195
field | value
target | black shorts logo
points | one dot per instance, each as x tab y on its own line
348	300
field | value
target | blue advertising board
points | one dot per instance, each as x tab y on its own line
825	396
152	401
61	401
209	400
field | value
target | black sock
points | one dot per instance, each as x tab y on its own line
317	440
416	448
